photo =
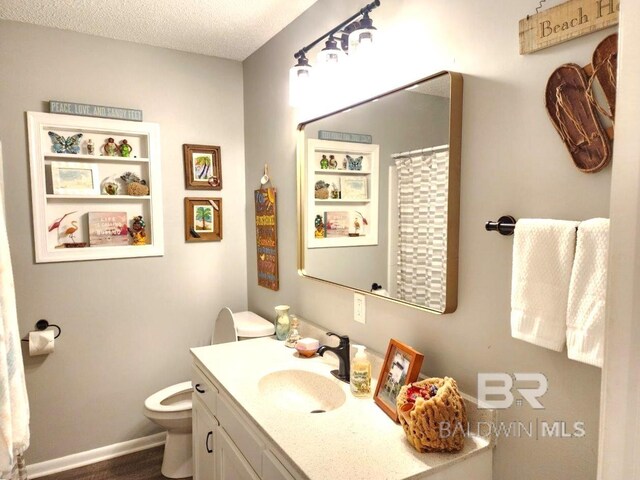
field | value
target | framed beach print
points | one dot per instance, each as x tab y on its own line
203	219
71	178
401	366
202	167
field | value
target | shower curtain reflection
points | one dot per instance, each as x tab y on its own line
421	249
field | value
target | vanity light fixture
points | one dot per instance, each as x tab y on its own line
356	35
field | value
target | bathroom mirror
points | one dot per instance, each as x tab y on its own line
378	192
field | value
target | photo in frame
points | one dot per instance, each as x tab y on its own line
203	219
202	167
74	178
354	187
401	366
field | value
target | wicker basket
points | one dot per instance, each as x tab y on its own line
437	424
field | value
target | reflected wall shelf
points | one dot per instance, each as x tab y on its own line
48	207
350	220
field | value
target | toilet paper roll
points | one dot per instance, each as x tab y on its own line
41	342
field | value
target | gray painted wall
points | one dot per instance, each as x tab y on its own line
513	162
126	324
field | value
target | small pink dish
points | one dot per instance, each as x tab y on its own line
307	347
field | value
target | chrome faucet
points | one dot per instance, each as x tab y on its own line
343	353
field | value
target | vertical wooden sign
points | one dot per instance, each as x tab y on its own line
267	238
566	21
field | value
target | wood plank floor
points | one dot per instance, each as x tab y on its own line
144	465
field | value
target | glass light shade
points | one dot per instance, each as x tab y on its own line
299	84
362	41
330	55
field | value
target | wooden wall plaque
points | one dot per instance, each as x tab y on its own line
267	238
565	22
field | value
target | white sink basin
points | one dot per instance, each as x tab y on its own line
301	391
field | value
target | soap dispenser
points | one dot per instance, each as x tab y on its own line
361	373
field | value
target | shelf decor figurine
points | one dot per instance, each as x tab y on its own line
354	163
66	145
110	148
333	163
324	162
319	224
125	148
135	186
90	147
137	231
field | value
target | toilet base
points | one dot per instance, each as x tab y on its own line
177	461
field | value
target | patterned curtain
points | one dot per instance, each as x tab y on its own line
14	405
423	181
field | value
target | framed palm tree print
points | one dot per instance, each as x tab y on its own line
203	219
202	167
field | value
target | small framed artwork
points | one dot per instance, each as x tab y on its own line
72	178
108	229
202	167
354	187
401	366
203	219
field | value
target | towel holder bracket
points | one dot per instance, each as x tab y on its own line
504	226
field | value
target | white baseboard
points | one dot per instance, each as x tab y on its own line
96	455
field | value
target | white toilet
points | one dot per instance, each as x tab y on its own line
171	407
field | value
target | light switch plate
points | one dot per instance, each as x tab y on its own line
359	308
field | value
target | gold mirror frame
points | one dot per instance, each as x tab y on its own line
453	212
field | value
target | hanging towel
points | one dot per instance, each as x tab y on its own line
587	293
14	405
542	259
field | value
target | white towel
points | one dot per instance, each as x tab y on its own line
14	405
587	293
542	258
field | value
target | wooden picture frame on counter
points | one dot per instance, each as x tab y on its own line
203	219
401	366
202	167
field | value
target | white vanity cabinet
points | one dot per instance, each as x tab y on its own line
205	444
225	445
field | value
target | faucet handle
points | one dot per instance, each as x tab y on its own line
344	339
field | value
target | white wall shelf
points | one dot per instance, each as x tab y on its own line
48	207
106	198
93	158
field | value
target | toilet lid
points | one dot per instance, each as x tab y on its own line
248	324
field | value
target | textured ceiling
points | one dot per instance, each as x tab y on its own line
222	28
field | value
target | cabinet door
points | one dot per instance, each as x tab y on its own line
204	442
231	463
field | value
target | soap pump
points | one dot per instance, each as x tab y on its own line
361	373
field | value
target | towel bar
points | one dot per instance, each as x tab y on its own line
504	226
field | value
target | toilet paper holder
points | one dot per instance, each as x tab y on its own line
43	324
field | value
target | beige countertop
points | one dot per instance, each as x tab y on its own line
355	441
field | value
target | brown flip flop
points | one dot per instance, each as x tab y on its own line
575	118
605	65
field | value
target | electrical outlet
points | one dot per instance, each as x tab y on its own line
359	308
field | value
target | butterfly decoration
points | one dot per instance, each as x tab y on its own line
354	163
66	145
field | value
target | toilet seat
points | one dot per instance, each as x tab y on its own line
159	402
